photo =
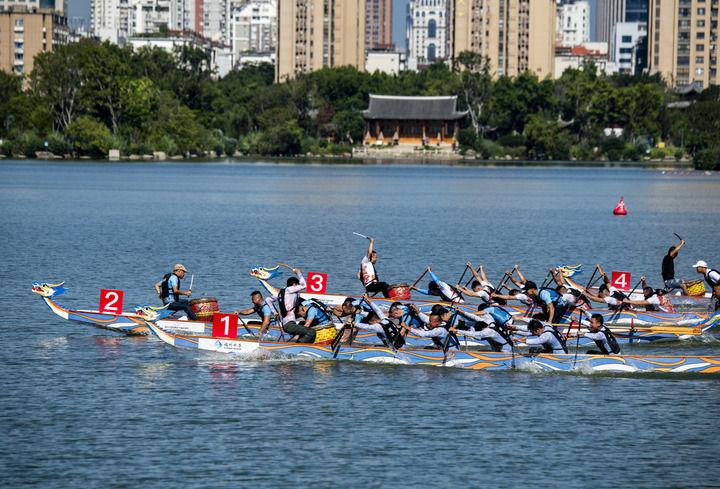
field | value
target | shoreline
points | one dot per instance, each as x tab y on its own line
398	160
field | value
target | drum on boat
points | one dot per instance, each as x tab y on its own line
695	287
325	336
204	308
399	291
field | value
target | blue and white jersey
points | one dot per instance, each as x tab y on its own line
546	338
173	282
314	312
550	296
488	334
498	314
601	338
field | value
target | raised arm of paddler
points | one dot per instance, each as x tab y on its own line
374	307
558	276
520	280
482	278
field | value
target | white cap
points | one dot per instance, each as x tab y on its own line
700	264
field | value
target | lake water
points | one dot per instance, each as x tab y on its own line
82	407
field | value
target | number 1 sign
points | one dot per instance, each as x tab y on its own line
620	280
224	325
317	282
111	301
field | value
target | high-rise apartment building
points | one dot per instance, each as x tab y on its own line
313	34
378	24
683	40
26	32
573	24
516	35
427	31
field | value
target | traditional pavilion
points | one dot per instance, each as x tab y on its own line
392	119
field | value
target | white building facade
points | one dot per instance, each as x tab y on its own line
426	31
253	27
573	24
626	36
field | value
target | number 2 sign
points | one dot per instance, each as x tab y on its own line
317	282
225	325
620	280
111	301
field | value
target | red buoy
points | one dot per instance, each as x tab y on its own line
620	209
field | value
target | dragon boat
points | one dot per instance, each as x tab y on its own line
630	318
477	360
134	323
127	323
701	299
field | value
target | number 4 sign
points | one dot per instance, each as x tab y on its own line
111	301
225	325
620	280
317	282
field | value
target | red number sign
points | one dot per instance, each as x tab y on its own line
111	301
317	282
620	280
225	325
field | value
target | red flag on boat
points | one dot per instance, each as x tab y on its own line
620	209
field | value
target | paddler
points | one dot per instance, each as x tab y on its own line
607	294
652	301
712	277
544	338
602	336
367	274
668	270
315	313
553	305
441	289
436	327
482	288
261	309
288	305
169	292
496	335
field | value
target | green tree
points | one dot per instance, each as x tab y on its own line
89	136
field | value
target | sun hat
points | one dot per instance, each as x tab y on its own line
179	267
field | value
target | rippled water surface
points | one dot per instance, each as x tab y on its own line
82	407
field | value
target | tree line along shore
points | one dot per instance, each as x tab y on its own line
87	98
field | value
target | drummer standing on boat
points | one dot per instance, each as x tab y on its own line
712	277
668	270
169	292
367	273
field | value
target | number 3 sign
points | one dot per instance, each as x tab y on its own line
224	325
317	282
620	280
111	301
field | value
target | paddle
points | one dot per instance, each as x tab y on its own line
419	279
192	277
463	274
335	345
622	306
502	283
245	326
678	236
286	266
361	235
577	341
